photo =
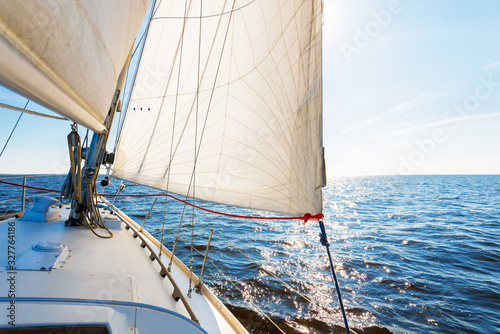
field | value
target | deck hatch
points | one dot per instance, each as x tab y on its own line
44	256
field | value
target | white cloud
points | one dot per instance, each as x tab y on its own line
408	105
455	120
492	65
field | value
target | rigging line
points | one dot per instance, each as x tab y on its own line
209	55
177	236
225	276
255	307
230	245
306	216
167	171
144	36
14	129
126	101
152	216
14	177
215	82
212	91
42	194
157	7
31	112
162	100
86	139
29	187
172	137
195	146
120	188
204	17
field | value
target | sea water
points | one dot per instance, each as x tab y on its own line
413	254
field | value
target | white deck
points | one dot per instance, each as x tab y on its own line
104	281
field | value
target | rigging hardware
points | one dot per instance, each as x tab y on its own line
324	241
200	280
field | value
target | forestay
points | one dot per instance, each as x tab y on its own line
244	102
68	54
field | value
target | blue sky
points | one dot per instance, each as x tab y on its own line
402	98
410	87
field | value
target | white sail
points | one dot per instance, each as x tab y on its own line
245	102
68	54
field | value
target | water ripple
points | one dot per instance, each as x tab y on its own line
414	254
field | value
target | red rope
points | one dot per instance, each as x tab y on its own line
29	187
305	217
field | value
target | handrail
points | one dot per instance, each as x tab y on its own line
98	302
177	294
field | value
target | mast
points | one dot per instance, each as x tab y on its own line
145	36
95	157
83	207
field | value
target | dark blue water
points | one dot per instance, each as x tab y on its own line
413	254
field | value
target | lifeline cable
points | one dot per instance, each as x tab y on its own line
305	217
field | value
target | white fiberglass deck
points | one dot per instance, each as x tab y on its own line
103	281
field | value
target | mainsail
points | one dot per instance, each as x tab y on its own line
227	104
67	55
